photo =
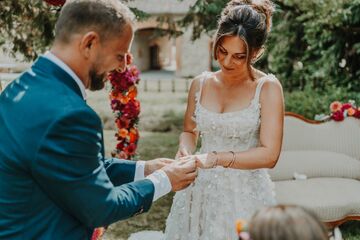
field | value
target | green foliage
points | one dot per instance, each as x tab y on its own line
314	43
202	16
310	102
28	26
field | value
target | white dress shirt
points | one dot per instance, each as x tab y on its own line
159	178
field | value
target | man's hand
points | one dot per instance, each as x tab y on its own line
156	164
181	173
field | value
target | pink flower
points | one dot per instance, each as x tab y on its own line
335	106
116	105
351	111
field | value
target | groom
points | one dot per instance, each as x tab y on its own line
54	180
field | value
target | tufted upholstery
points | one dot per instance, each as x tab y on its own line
327	155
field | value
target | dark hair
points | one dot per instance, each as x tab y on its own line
247	19
106	17
284	222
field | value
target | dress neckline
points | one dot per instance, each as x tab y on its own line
237	111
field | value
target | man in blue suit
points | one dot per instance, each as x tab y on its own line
54	180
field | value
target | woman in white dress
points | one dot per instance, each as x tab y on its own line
238	114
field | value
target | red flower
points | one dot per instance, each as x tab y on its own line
132	109
134	135
120	146
132	92
56	2
122	122
116	105
130	150
338	116
346	106
357	113
97	234
127	108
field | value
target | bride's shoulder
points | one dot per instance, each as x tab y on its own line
197	81
271	86
267	78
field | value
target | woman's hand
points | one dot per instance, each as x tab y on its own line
205	161
182	152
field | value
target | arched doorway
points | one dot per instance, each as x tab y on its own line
154	57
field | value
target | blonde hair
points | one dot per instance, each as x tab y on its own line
286	222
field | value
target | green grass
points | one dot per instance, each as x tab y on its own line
151	145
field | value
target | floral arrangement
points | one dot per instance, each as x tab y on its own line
56	2
127	109
241	229
339	111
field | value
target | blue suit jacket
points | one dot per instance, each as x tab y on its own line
54	180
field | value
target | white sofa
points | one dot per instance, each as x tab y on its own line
319	167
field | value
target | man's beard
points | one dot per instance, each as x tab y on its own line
97	81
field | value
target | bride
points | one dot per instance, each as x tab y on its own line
238	114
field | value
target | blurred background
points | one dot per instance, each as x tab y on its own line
313	49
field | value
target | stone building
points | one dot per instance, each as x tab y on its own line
153	52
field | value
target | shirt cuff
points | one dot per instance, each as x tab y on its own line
161	183
139	170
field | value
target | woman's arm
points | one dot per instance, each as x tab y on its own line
188	138
271	133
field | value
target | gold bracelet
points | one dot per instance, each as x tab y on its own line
232	160
216	160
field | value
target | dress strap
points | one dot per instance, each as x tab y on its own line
258	88
202	80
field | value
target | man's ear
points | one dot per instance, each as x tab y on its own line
89	44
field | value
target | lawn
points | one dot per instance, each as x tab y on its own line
160	125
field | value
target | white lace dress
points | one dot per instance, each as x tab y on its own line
209	208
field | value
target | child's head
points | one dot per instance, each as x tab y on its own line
286	223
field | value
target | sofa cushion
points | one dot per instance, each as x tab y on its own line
315	164
333	199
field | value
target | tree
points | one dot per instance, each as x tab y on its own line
313	43
27	27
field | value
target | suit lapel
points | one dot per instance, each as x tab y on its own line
47	67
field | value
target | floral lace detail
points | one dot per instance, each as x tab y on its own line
208	209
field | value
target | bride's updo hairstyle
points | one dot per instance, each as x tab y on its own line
249	20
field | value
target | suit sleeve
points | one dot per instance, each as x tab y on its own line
120	171
69	169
